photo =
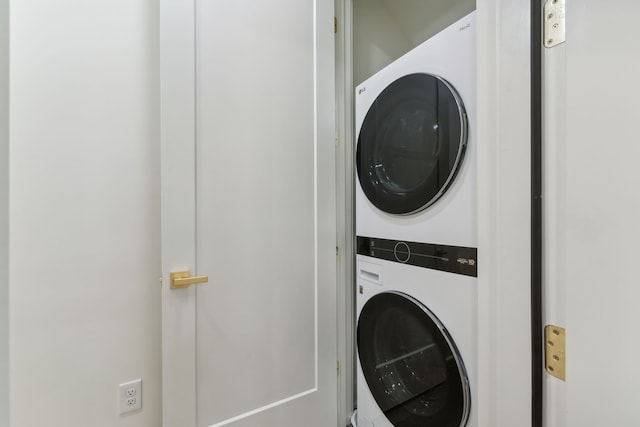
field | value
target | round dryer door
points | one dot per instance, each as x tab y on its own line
411	364
411	143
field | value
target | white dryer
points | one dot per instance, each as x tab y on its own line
416	151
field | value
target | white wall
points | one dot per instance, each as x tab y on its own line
84	211
4	211
421	19
377	38
384	30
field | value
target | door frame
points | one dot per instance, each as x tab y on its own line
504	213
504	385
345	210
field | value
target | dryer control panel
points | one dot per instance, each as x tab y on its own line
452	259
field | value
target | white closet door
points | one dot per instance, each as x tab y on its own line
249	201
592	211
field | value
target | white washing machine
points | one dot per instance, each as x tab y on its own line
416	151
417	348
416	232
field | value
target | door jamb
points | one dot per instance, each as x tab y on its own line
504	213
345	210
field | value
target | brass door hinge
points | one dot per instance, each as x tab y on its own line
553	19
554	351
338	368
335	25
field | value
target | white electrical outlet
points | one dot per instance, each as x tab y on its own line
130	396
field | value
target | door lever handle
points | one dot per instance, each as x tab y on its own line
181	279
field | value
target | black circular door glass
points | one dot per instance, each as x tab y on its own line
411	143
411	364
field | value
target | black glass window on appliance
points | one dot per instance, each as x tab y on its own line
411	143
410	363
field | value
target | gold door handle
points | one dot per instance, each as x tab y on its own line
181	279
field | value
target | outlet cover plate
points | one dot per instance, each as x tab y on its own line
130	396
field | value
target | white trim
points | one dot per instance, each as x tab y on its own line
504	383
345	174
4	213
265	408
328	384
315	188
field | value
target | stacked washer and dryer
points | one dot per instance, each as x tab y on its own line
416	232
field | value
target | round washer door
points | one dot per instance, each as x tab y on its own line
411	364
411	143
